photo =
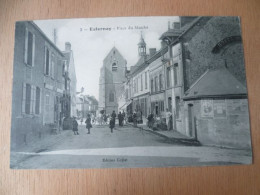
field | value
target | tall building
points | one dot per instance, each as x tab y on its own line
111	81
70	80
38	84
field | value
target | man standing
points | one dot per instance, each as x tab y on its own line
75	126
168	119
120	119
112	121
88	123
123	115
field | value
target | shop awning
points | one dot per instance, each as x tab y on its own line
125	105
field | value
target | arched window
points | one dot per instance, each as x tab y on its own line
114	67
111	97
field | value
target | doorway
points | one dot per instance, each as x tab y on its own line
191	120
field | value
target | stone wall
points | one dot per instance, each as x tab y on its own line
227	126
199	42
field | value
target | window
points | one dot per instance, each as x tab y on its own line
175	74
47	61
161	106
114	67
156	83
141	82
29	48
168	75
47	102
126	94
137	79
111	97
28	99
151	85
177	102
160	82
146	80
37	104
52	65
64	67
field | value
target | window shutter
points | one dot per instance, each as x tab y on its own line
34	98
32	106
45	53
40	101
50	65
26	46
24	97
33	50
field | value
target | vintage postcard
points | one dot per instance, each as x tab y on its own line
129	92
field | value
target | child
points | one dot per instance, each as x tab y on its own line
112	124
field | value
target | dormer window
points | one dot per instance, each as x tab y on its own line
114	67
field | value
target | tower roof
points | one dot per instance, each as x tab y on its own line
141	42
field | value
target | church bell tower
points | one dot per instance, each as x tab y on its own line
142	47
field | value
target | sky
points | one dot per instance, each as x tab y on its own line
90	46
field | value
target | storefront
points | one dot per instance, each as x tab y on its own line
158	104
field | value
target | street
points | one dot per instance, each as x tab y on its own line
125	147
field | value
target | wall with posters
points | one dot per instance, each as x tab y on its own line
220	122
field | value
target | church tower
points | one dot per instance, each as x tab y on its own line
111	82
142	47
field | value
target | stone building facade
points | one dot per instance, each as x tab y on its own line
192	49
209	44
38	84
71	79
111	82
40	98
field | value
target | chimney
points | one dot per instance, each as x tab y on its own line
176	25
67	46
152	51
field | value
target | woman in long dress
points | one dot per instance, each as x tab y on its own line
88	123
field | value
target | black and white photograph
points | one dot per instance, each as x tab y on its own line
128	92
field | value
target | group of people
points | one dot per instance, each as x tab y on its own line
103	118
75	125
168	116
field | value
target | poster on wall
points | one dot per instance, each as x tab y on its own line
220	109
110	93
207	109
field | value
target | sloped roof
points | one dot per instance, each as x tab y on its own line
172	33
216	83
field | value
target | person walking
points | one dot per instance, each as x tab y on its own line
88	123
75	126
112	123
135	119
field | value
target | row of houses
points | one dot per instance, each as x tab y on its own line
44	84
199	76
86	104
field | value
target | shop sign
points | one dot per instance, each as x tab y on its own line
47	86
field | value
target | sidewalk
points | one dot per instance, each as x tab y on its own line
39	145
171	135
